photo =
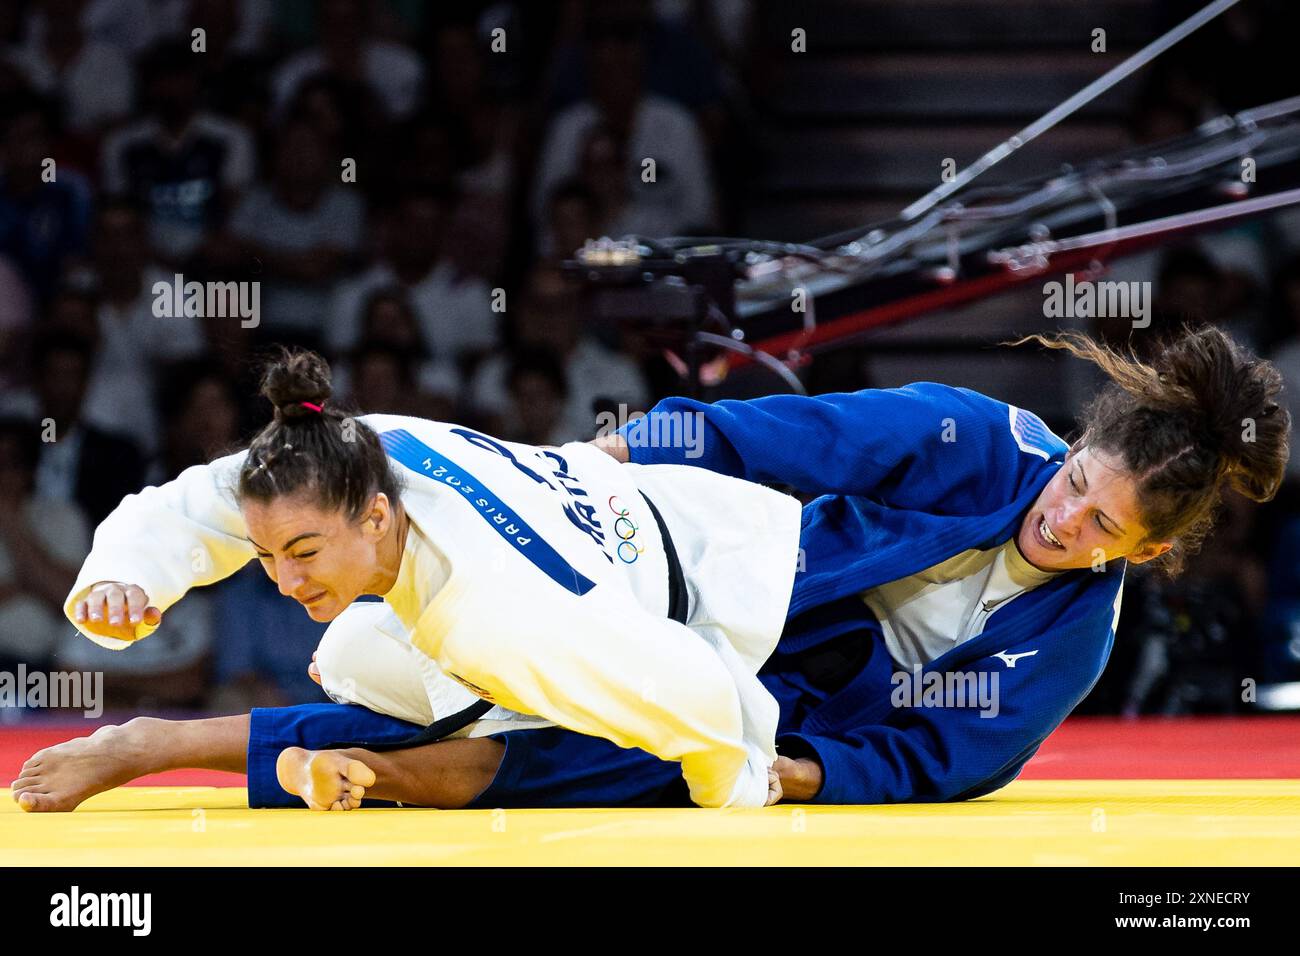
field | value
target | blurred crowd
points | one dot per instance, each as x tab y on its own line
402	182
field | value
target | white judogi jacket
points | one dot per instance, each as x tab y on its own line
552	589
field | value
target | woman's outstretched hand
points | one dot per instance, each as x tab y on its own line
114	608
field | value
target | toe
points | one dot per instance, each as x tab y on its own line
35	802
359	773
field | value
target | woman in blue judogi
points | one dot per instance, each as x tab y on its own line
959	583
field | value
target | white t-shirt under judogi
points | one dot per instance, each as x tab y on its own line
927	614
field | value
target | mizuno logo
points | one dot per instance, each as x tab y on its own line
1010	659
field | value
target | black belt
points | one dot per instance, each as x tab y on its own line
434	732
678	606
678	600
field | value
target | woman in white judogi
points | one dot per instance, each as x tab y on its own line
535	579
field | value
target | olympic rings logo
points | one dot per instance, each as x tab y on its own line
625	530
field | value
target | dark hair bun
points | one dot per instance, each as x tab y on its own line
296	376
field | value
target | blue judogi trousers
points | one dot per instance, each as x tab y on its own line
554	767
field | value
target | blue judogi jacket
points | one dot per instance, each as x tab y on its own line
909	477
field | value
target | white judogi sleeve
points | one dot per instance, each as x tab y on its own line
167	539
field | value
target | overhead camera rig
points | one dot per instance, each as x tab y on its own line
679	295
715	303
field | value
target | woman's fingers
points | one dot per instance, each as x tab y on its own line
136	602
138	607
117	608
774	791
113	609
105	601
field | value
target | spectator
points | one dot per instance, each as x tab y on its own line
128	26
231	349
538	394
200	413
389	320
303	227
244	26
619	208
548	318
571	219
454	309
382	379
348	50
252	667
652	128
78	462
345	115
130	334
182	164
473	247
233	69
426	160
44	218
483	130
42	544
678	66
91	79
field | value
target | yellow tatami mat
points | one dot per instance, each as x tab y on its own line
1031	822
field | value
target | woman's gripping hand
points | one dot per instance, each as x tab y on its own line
114	608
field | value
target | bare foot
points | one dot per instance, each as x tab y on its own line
59	778
325	779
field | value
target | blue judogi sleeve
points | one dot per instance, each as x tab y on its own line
925	446
933	753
